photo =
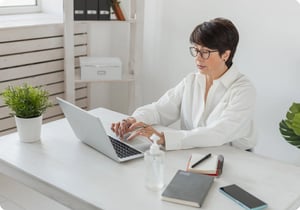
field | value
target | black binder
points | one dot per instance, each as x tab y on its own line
104	9
91	9
79	9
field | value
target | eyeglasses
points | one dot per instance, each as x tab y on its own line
203	53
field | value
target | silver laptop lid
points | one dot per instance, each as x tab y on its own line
89	129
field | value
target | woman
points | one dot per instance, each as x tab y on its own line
214	105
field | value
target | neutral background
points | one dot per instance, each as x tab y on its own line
268	53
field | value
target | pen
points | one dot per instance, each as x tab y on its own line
201	160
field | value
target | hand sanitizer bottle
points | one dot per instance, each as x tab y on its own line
154	160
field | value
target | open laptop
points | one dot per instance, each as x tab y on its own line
90	130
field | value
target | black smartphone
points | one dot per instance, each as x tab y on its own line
242	197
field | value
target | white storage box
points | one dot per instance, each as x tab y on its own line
100	68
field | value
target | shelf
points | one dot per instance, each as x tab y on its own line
125	79
128	33
130	21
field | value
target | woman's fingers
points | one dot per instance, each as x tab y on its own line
132	129
142	130
120	128
132	135
137	126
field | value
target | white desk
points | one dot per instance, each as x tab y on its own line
74	174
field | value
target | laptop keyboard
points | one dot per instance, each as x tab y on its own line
123	150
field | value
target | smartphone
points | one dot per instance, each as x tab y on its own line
242	197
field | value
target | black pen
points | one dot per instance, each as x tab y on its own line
201	160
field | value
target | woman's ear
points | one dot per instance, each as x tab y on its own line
226	55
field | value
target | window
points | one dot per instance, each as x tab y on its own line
19	6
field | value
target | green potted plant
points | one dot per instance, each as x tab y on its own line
290	127
28	104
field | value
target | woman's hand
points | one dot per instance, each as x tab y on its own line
137	129
142	129
123	127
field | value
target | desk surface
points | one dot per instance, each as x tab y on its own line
61	162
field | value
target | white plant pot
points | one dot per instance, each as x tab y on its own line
29	129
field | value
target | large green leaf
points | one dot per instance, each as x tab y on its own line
295	108
288	134
290	127
296	124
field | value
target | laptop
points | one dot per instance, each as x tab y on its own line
89	129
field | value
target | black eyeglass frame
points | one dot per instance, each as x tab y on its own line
206	52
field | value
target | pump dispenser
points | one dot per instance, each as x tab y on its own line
154	160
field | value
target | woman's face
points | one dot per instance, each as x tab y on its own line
209	62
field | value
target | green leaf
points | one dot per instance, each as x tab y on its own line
26	101
295	108
296	124
290	127
286	131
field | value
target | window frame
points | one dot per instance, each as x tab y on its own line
21	9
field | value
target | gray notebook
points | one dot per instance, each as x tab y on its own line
188	188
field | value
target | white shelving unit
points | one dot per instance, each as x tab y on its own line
131	59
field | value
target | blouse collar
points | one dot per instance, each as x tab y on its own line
229	76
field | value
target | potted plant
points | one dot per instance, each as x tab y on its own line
290	127
28	104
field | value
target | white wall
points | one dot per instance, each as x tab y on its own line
268	53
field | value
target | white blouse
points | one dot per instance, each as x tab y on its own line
226	117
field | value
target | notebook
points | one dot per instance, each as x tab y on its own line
188	188
209	166
90	130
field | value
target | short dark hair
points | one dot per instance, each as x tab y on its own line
219	34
